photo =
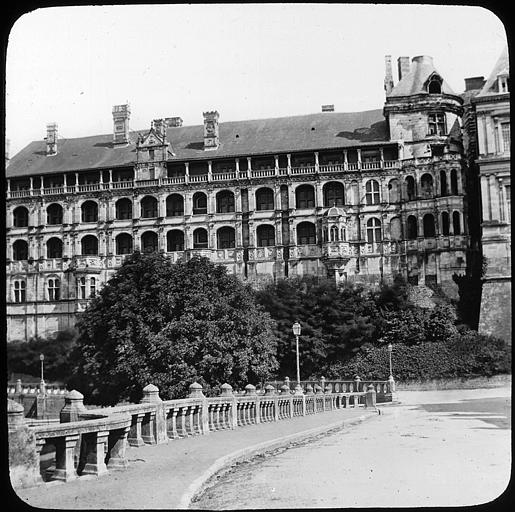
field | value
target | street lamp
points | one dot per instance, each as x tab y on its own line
390	348
42	383
296	328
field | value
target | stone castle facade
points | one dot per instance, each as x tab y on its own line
356	196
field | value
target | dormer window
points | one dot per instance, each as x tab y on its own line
436	124
434	85
503	83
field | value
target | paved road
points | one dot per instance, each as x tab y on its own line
439	448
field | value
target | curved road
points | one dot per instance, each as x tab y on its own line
438	448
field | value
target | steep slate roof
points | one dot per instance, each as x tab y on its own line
502	65
413	82
237	138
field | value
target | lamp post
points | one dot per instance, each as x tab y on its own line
296	328
42	383
390	348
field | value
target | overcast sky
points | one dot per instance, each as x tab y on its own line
70	65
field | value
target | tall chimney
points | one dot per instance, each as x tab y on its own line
159	126
403	66
388	77
211	140
121	116
51	139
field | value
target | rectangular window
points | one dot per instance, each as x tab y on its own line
506	137
436	124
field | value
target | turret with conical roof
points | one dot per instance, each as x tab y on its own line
422	110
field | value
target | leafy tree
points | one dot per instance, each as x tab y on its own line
171	324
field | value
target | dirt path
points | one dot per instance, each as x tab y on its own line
440	448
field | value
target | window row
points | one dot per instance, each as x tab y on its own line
333	195
85	288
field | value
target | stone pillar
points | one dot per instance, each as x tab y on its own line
276	165
186	172
23	449
319	198
288	167
151	396
65	458
135	438
250	390
73	407
196	392
226	391
94	453
370	397
209	170
317	166
117	445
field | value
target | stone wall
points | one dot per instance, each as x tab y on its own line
495	314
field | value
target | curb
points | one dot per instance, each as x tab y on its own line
251	451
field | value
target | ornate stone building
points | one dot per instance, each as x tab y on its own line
492	112
357	196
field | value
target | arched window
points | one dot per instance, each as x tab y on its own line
54	248
175	240
426	185
264	199
174	205
306	233
123	244
443	183
123	209
434	86
429	225
372	192
200	238
334	232
445	224
344	235
149	242
19	289
412	227
20	250
81	288
199	203
265	235
92	286
148	207
21	217
456	223
394	191
54	214
54	289
225	202
410	188
89	211
305	196
373	230
226	238
454	182
395	228
334	194
89	245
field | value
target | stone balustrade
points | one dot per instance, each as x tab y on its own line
94	441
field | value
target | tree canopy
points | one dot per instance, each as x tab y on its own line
169	325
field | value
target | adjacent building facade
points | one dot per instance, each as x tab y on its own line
492	111
358	196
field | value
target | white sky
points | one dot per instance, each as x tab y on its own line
70	65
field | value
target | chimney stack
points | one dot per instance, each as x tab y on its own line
327	108
473	83
159	126
173	122
403	66
388	77
121	116
51	139
211	140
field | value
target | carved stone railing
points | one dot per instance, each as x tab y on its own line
93	441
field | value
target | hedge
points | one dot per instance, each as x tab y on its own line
467	354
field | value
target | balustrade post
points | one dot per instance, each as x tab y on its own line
73	407
391	384
135	438
357	382
203	413
64	458
151	396
226	391
250	390
370	397
94	444
116	448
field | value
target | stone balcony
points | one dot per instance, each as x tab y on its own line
206	178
